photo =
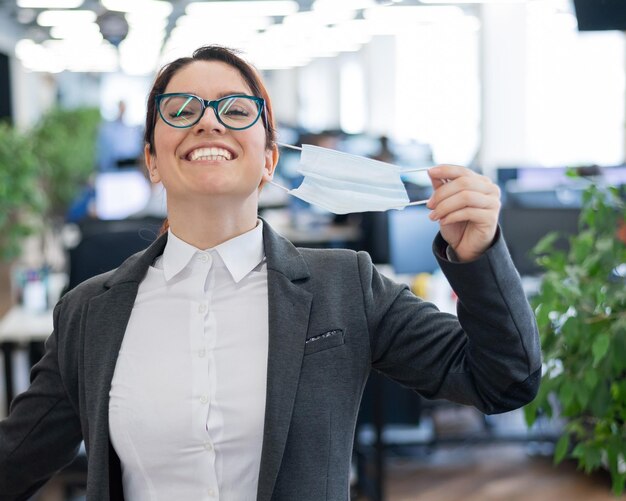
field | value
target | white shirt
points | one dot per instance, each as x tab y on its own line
187	399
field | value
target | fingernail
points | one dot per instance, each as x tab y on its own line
433	216
429	204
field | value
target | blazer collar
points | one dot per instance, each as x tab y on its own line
281	256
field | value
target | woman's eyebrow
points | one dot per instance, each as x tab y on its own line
233	92
221	94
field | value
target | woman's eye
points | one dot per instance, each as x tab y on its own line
180	114
237	112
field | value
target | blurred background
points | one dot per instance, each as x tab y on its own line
526	92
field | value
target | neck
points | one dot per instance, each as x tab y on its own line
205	227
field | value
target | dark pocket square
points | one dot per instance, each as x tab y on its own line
329	339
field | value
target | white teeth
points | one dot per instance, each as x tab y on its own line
210	154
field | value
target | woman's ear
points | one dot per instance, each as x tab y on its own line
271	159
150	161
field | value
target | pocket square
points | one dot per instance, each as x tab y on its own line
324	341
323	336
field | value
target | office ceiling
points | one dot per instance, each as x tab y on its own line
136	36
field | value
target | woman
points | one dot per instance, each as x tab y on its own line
223	362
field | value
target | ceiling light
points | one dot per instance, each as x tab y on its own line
34	57
242	8
473	1
97	57
193	23
153	8
82	31
343	5
312	19
57	17
49	4
412	13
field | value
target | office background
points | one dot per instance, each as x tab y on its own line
510	88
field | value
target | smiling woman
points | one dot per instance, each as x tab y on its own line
225	362
210	150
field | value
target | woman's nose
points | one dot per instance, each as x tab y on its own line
209	123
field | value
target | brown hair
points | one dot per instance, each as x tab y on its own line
209	53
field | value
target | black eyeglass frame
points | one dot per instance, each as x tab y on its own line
260	102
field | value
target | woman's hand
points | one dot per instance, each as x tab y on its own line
466	205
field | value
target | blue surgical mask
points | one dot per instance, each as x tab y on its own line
343	183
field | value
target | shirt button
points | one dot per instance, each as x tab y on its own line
203	258
202	308
204	399
201	352
211	493
208	446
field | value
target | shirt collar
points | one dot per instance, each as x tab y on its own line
240	254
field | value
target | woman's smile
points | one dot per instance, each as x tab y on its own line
210	152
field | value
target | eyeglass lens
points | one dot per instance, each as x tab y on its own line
184	111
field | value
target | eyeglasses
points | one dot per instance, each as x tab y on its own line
235	112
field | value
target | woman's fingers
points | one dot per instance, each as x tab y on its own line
461	199
459	179
466	205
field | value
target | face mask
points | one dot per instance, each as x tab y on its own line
343	183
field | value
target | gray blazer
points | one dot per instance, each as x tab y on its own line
332	317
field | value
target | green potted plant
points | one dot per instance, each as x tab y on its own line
65	145
581	314
21	199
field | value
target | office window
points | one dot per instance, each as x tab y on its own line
352	102
575	89
438	89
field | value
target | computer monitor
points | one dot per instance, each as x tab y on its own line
598	15
120	194
411	234
523	227
614	175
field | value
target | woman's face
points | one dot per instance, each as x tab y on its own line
209	159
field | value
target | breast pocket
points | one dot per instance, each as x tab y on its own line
324	341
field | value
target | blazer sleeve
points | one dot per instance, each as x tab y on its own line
42	433
488	357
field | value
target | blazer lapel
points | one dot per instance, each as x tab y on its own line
289	309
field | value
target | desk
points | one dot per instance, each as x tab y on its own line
19	328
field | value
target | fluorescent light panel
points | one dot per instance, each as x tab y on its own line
152	8
58	17
78	30
472	1
49	4
343	4
242	8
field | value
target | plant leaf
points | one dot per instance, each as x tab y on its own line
561	448
600	347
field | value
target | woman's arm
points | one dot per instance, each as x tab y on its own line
42	432
490	356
